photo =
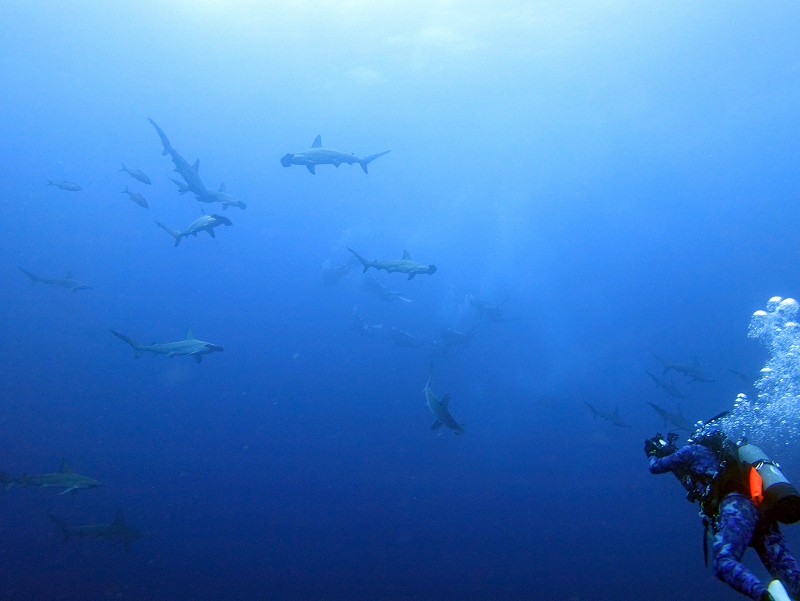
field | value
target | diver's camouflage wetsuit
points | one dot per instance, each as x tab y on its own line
737	525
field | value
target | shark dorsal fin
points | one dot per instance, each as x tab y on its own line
65	469
406	256
196	166
189	335
445	400
222	188
119	519
317	142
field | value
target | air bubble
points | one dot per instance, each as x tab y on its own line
773	416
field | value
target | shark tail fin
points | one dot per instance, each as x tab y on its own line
368	159
135	345
163	136
123	167
171	232
33	278
363	261
7	482
65	529
49	183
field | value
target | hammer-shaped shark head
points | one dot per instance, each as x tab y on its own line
222	219
286	160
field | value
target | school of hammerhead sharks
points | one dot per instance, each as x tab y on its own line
118	530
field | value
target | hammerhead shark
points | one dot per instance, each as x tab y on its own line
204	223
331	274
67	282
221	196
404	265
440	408
676	419
6	482
116	531
191	177
189	173
690	370
610	416
405	339
491	311
379	289
458	336
64	478
667	385
188	346
742	376
317	155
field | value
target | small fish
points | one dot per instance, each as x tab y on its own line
135	197
64	185
136	174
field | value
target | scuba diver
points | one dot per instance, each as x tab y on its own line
742	495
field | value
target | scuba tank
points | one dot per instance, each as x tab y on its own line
771	492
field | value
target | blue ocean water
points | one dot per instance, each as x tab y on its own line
621	178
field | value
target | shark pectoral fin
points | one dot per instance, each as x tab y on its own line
211	232
411	276
336	164
196	166
198	358
71	489
436	424
139	353
310	167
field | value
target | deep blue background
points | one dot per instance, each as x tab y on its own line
626	174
